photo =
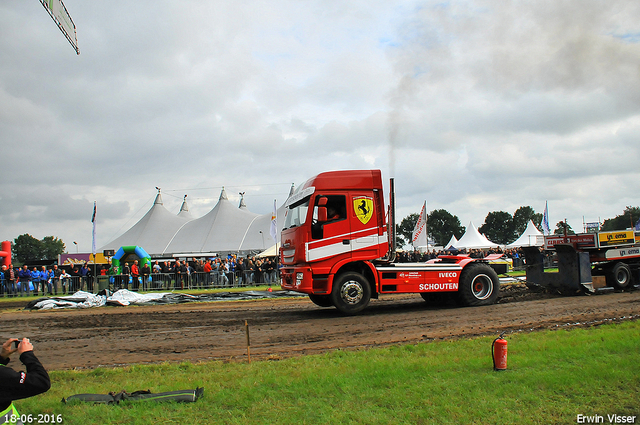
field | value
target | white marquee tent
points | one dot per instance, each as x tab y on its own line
473	239
530	237
226	228
154	230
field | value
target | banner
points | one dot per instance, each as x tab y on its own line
419	234
61	17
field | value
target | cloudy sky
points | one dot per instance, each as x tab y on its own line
473	106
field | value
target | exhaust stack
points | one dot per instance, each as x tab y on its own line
391	225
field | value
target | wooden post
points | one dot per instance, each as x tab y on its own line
246	326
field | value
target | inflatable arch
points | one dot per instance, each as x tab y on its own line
5	252
126	250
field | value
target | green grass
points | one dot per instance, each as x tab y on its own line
552	377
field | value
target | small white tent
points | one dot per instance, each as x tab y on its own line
531	237
473	239
452	242
270	252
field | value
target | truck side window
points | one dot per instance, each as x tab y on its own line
335	209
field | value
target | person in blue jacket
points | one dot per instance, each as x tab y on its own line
35	278
24	276
45	280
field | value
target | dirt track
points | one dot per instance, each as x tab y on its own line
279	328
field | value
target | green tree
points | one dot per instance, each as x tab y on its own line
629	218
522	216
52	247
26	248
560	229
404	230
498	227
441	224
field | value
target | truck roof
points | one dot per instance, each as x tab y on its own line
346	180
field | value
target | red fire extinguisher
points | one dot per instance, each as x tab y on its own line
499	353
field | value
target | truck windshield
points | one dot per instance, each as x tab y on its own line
297	213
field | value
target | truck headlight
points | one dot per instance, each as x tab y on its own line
299	277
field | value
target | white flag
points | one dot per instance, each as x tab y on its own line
274	223
419	235
545	220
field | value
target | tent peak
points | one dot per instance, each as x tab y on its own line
184	206
158	198
223	195
242	204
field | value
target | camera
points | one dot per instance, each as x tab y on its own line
16	343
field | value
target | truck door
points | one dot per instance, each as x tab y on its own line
365	220
330	228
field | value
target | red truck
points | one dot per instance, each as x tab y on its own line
337	247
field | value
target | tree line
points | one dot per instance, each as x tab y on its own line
499	226
27	249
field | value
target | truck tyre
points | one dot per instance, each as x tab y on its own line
351	293
619	276
479	285
321	300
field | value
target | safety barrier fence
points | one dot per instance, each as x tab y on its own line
153	282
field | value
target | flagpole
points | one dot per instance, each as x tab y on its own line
93	243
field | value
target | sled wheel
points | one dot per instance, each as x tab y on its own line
619	276
479	285
321	300
351	293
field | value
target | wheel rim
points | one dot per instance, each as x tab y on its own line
622	277
351	292
482	287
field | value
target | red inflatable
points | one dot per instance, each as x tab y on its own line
6	253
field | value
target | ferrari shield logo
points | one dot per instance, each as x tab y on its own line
363	207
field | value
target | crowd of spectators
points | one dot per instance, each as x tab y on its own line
229	271
516	254
25	280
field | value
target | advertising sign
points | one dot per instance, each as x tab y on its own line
580	241
80	259
617	238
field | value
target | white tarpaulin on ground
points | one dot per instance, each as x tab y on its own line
124	297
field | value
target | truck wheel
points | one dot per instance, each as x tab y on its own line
619	276
479	285
321	300
351	293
